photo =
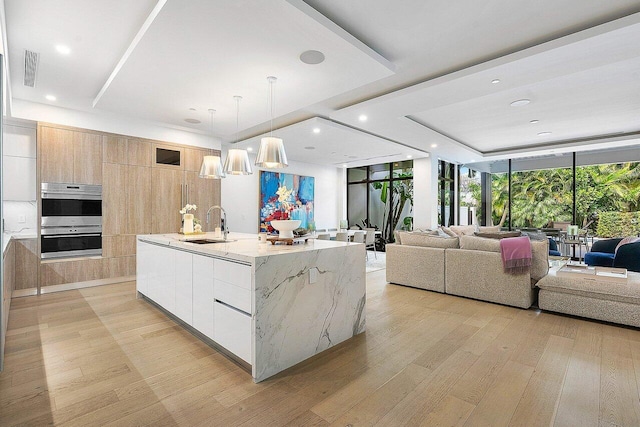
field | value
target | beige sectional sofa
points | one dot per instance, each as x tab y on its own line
467	266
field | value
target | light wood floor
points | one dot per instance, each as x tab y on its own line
99	356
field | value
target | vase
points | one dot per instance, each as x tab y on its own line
188	223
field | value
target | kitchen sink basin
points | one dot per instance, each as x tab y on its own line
207	241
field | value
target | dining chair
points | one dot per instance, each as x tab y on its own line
358	237
342	237
370	241
323	236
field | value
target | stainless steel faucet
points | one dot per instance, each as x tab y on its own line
224	214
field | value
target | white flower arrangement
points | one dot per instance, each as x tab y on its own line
188	208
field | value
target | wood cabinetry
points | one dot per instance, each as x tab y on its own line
139	196
26	263
166	193
70	156
56	154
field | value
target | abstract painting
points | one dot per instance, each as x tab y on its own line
285	196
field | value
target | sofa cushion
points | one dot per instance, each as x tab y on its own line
464	230
628	292
539	252
599	259
540	258
488	229
497	234
429	241
474	243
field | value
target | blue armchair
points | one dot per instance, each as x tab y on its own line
553	248
603	254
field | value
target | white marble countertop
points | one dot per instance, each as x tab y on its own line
245	248
18	235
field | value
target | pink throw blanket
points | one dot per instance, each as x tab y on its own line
516	254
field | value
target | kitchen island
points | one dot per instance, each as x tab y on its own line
271	306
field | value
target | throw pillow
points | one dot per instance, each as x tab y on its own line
498	234
488	229
463	230
441	233
448	231
625	241
474	243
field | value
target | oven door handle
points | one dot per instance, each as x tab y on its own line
57	236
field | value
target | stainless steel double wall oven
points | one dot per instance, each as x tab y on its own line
71	223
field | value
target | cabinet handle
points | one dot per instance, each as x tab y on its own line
187	188
181	195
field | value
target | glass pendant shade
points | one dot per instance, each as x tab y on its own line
271	153
211	168
237	162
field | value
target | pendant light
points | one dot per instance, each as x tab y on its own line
211	165
237	161
271	153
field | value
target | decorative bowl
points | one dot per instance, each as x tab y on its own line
285	227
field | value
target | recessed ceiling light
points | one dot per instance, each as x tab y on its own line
409	156
62	49
312	57
192	109
520	102
193	121
533	122
50	97
495	81
344	165
544	133
249	149
316	130
310	147
362	118
434	145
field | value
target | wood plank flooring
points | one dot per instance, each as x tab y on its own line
99	356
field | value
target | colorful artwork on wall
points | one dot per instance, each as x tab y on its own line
285	196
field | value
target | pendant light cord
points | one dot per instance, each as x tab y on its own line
272	81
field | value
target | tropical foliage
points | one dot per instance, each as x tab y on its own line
618	224
395	195
541	197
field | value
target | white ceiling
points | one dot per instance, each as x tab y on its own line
421	70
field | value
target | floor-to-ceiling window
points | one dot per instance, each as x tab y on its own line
597	190
470	195
381	196
446	193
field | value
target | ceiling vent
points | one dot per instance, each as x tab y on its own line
30	67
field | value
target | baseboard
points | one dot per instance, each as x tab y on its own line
71	286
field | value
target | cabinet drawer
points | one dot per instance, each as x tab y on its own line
234	273
232	330
233	295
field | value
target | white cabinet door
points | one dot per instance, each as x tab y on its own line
184	289
233	273
164	281
203	295
144	253
232	330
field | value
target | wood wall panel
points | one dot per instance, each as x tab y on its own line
193	158
115	149
139	200
26	263
56	154
87	158
139	152
166	194
119	245
114	200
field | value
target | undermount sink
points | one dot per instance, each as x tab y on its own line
207	241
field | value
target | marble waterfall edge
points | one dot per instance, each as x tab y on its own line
295	319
